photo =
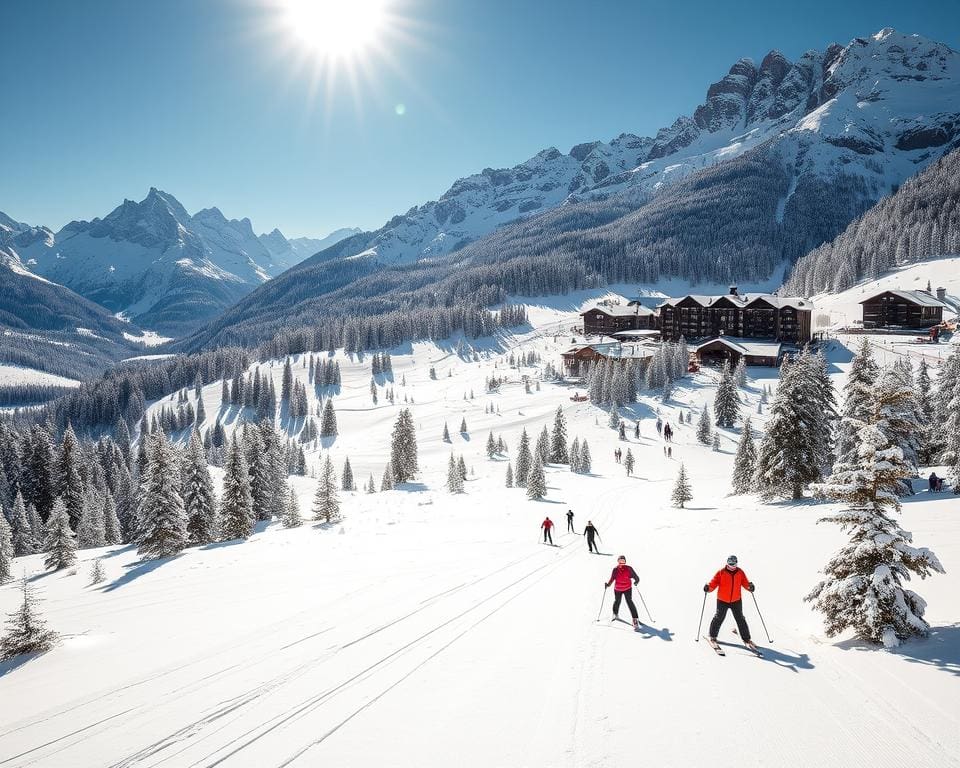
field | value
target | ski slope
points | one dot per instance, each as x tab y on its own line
428	628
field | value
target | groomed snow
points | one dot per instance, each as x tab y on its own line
428	629
17	374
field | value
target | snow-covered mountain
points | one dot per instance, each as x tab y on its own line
287	252
154	262
879	108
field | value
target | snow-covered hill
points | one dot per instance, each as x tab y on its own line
287	252
153	262
441	624
879	108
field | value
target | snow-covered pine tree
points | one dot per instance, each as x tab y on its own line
403	448
524	460
574	455
509	480
454	476
558	440
373	390
944	436
236	502
92	530
744	464
703	426
291	514
613	420
326	502
162	520
26	630
491	446
112	530
446	433
715	442
389	479
537	480
682	492
925	437
666	391
951	442
60	544
97	574
371	486
863	589
6	549
726	405
463	426
856	398
543	445
628	462
462	466
328	421
70	485
346	476
586	463
199	501
23	537
740	372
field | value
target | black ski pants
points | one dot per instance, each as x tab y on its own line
547	536
737	610
628	596
570	525
592	546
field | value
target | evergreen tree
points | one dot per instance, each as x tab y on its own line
537	480
112	531
509	481
26	630
726	405
70	486
23	537
403	448
92	530
462	467
291	515
856	398
36	526
744	464
681	489
371	486
286	383
524	460
491	446
628	462
236	503
97	574
925	434
6	550
373	390
543	445
60	544
346	477
199	501
740	372
389	479
863	587
558	440
574	455
454	477
463	426
326	502
585	460
446	433
328	421
614	420
703	426
161	518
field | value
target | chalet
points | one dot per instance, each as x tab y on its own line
902	309
731	349
754	316
605	320
575	357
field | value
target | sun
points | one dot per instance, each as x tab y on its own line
334	29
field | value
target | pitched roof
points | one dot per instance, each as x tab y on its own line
618	310
922	298
744	299
751	347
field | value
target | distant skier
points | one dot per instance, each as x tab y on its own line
636	431
669	451
728	582
659	425
547	525
667	432
570	521
590	532
621	578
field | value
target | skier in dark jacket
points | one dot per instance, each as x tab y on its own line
570	521
590	532
728	582
547	525
621	578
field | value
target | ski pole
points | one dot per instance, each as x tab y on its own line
652	620
602	599
700	623
769	639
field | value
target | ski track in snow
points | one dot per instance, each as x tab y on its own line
437	628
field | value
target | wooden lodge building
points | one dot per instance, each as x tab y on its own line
575	357
902	309
607	319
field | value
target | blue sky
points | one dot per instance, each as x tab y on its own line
106	98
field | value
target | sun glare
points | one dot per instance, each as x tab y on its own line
335	29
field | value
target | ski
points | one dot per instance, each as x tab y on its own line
713	644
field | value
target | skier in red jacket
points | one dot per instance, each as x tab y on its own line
621	578
547	525
728	582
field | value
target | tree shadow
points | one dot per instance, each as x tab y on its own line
940	650
414	487
8	666
135	571
701	509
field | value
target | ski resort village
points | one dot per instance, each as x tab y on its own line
641	450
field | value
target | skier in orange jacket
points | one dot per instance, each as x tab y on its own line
728	582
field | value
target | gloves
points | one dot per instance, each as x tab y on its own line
751	586
706	587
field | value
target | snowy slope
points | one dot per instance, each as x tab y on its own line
286	252
427	625
879	108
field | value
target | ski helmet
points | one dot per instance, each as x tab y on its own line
732	560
